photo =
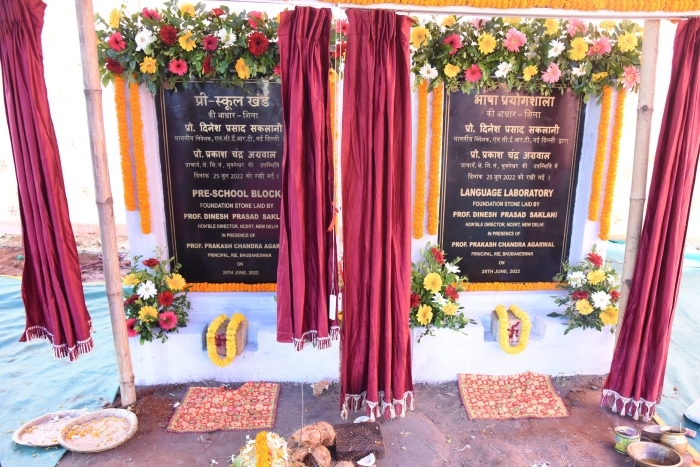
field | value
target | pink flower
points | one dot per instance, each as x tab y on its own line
209	43
178	66
473	73
342	26
150	14
514	40
631	77
167	320
552	74
478	23
130	323
575	26
116	42
255	18
600	47
277	70
217	12
454	41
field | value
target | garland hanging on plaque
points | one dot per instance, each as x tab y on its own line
233	287
510	286
435	153
419	201
601	151
123	129
611	176
140	159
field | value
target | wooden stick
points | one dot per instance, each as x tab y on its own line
638	193
103	197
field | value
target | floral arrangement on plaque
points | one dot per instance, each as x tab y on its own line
532	55
156	301
435	288
592	294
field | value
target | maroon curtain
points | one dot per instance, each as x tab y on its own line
306	255
376	168
51	284
637	373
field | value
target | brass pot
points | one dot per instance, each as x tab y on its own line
674	438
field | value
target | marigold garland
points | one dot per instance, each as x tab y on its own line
503	329
601	149
435	146
262	452
231	287
332	78
579	5
140	159
231	329
510	286
123	129
611	176
419	202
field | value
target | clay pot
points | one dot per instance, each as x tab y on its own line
674	438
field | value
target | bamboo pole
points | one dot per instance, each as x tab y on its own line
640	167
103	196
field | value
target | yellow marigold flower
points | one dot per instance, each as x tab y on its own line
242	69
425	314
579	48
627	42
448	21
598	76
148	313
596	276
332	75
131	279
186	41
552	26
114	17
512	20
451	70
584	307
607	25
148	65
419	36
529	72
175	282
609	316
187	8
450	309
487	43
432	282
278	17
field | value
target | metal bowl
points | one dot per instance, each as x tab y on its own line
653	455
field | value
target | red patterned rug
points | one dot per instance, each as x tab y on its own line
253	406
527	395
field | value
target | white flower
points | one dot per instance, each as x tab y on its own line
227	38
147	290
600	300
578	71
474	43
439	299
503	69
144	39
428	72
557	48
612	280
577	279
453	268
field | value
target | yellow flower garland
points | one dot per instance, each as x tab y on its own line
510	286
601	149
232	287
123	129
435	145
503	329
262	452
140	159
231	329
332	78
611	176
419	202
579	5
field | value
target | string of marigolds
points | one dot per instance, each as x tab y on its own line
611	176
435	147
123	129
231	329
526	325
510	286
419	201
140	159
600	152
262	452
233	287
332	80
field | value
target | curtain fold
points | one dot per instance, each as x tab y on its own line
51	282
305	277
636	377
376	184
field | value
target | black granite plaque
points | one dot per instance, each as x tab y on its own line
509	175
221	154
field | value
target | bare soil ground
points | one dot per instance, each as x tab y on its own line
436	433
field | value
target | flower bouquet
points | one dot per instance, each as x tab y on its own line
156	302
593	294
435	287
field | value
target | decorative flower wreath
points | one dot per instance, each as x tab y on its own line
231	329
502	314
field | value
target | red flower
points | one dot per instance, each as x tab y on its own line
451	293
150	262
580	295
114	66
342	26
454	41
595	259
254	19
131	300
277	70
178	66
257	43
165	298
150	14
168	34
167	320
217	12
130	323
615	295
209	43
473	73
339	50
437	254
116	42
206	66
415	300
